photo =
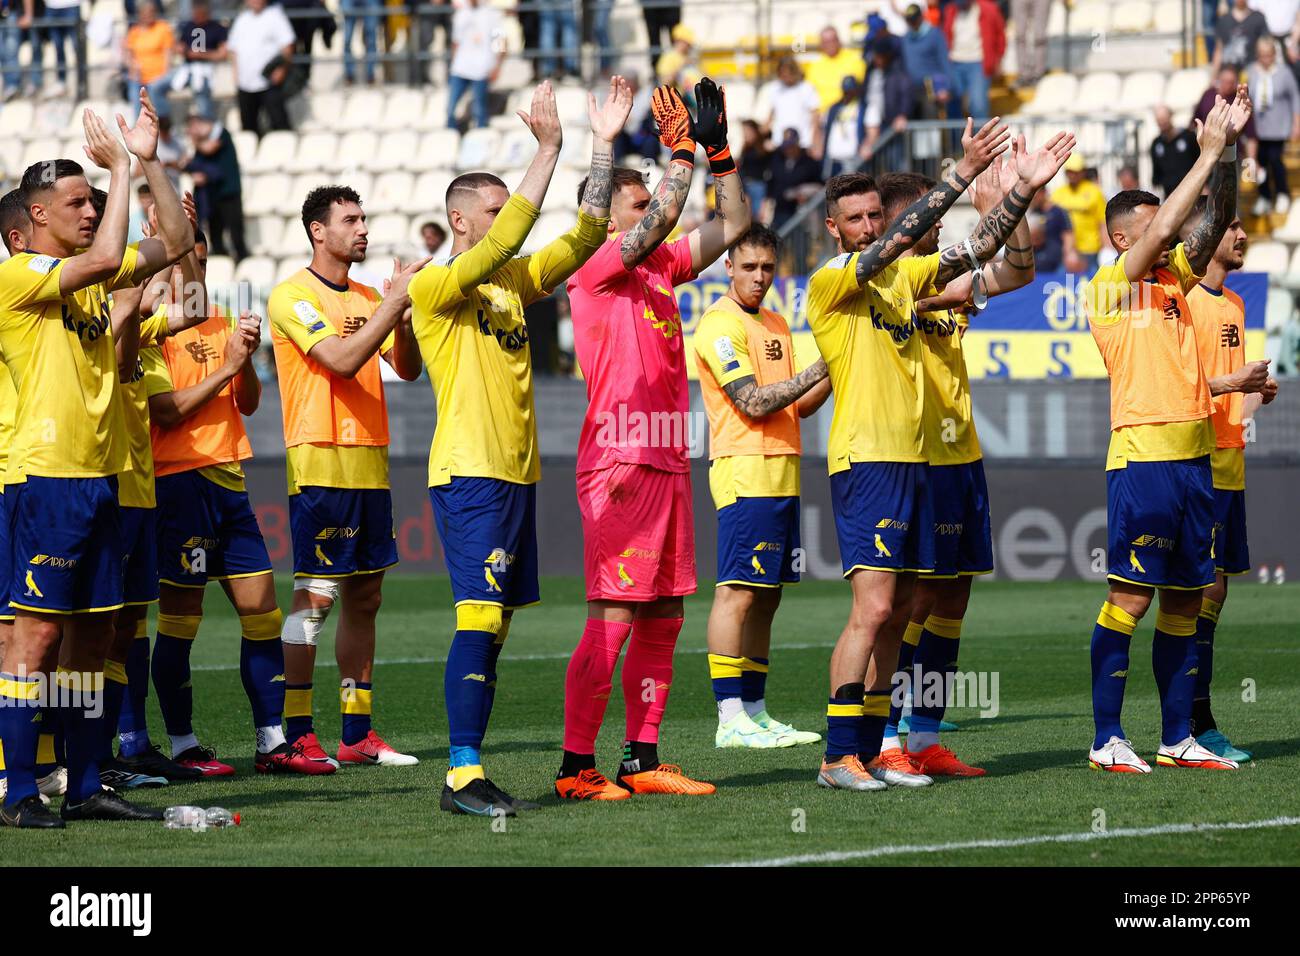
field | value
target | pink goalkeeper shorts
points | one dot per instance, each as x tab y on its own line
638	532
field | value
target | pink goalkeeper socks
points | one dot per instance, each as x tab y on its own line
648	675
588	681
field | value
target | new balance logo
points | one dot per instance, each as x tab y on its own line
773	350
1230	337
200	352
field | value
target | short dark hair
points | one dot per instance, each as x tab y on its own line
758	236
199	238
434	226
13	215
847	184
1123	203
143	190
621	175
472	183
316	207
98	199
40	177
900	190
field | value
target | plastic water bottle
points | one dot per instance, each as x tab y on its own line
216	818
184	818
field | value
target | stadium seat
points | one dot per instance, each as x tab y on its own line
1055	94
477	150
1185	88
287	267
11	157
221	271
257	271
571	104
563	192
437	150
275	152
575	153
316	151
291	241
357	150
40	150
392	192
430	192
323	112
389	232
551	225
1141	91
362	111
1169	14
245	147
1294	265
517	147
76	123
1098	93
1130	17
403	108
1090	17
1267	257
267	194
1290	231
16	119
264	233
397	150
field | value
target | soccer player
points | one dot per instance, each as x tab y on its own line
860	307
963	541
1160	500
1219	319
754	399
634	489
329	331
483	464
61	497
200	382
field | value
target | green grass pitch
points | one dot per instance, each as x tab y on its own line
1035	636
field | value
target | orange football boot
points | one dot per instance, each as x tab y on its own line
665	778
939	761
589	784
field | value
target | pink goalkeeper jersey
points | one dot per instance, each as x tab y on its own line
628	335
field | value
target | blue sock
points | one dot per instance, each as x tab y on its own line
753	680
1110	643
1206	624
83	739
935	663
1173	659
260	663
115	689
490	697
19	729
132	728
465	687
727	675
297	711
171	678
50	752
844	722
355	702
903	676
871	732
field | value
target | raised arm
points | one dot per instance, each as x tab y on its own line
978	150
665	208
124	317
175	234
1219	130
104	257
544	122
1033	171
758	401
732	215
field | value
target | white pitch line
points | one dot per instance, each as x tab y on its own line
1086	837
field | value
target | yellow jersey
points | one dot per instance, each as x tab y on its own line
1220	322
950	437
59	349
1086	204
751	459
135	486
475	344
335	429
827	73
866	335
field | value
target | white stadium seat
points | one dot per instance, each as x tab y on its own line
397	150
388	231
477	149
1098	93
221	271
403	108
517	148
357	150
363	109
245	146
315	151
430	192
1267	257
1142	91
1290	231
1055	93
15	119
437	150
1185	88
275	152
258	271
1130	17
263	233
1294	266
324	110
40	150
1090	17
392	192
267	194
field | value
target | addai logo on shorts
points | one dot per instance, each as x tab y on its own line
76	909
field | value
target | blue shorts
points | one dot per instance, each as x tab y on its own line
757	541
1160	523
339	532
963	530
488	530
1231	553
66	545
140	555
206	532
883	516
6	562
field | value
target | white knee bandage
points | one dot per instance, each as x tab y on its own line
304	627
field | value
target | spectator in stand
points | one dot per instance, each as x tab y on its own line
62	34
660	18
12	36
1052	235
977	38
201	43
677	66
888	99
844	129
639	136
307	18
925	58
1030	18
792	104
1237	33
1209	18
1127	179
1086	203
476	56
260	45
1225	85
433	236
1276	117
829	71
170	153
434	15
557	32
218	188
369	23
1173	152
138	216
794	176
755	165
146	54
600	12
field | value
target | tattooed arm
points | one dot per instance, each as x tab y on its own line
919	218
1219	211
660	217
730	220
758	401
606	123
